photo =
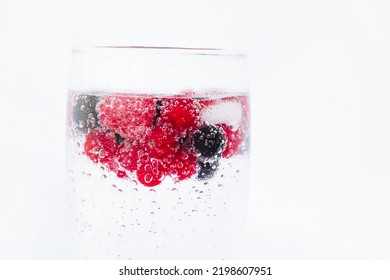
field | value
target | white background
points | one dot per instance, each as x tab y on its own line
320	115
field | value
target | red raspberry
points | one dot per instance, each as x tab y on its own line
128	154
101	146
162	143
234	139
183	165
181	113
176	155
149	172
127	115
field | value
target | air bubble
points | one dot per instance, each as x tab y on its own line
148	177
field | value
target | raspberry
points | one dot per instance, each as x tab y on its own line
173	154
162	143
127	115
181	114
234	139
101	146
183	165
128	155
149	172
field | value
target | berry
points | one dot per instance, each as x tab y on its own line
207	169
162	142
209	141
234	139
128	154
180	114
149	172
174	155
119	138
231	114
127	115
101	146
183	165
84	113
159	106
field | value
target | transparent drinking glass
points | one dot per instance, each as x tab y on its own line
158	152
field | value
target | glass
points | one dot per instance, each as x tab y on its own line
157	152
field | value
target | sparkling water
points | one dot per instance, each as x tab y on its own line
157	177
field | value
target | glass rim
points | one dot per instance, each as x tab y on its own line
160	50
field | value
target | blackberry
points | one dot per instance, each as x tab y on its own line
84	113
207	169
209	140
119	139
159	105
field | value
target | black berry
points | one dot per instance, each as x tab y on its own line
119	139
207	169
84	113
209	141
159	105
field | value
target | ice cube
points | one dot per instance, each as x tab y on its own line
227	112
